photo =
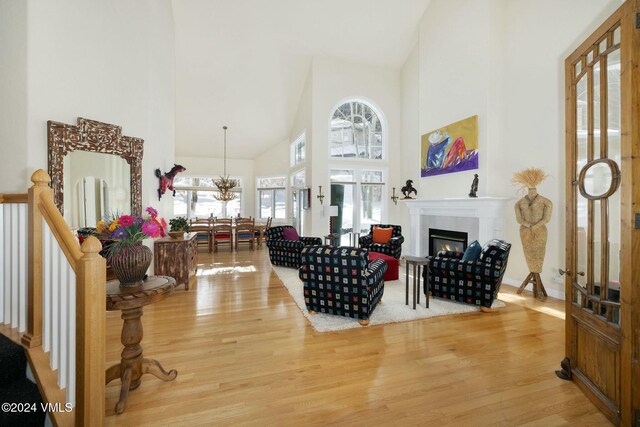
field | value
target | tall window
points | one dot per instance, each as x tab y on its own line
272	196
355	132
298	150
194	199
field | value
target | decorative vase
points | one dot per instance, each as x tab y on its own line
176	234
130	264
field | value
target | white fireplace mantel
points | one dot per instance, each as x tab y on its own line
481	217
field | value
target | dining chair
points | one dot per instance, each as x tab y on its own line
244	233
203	229
222	234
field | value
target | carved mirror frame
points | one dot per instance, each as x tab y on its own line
96	137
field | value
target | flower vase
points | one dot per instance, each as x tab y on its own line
130	264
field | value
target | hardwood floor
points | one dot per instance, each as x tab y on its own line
246	356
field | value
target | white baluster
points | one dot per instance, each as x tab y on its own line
46	285
22	284
71	350
15	267
55	305
3	258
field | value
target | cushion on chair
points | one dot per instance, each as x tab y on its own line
290	234
382	235
473	252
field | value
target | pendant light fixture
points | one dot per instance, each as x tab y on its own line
223	183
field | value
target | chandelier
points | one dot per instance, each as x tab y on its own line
223	183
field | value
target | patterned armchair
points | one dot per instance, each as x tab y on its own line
287	252
393	248
341	281
471	282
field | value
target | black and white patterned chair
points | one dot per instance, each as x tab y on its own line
287	252
393	248
470	282
341	281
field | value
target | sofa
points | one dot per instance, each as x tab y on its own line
393	248
472	282
287	252
341	281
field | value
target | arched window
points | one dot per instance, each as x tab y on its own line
356	132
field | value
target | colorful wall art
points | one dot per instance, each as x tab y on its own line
453	148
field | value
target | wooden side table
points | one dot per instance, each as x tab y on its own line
177	258
416	262
130	301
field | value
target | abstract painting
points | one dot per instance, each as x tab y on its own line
453	148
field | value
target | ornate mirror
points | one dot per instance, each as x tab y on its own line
98	174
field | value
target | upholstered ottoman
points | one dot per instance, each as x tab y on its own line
392	264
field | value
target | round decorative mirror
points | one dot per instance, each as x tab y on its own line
599	179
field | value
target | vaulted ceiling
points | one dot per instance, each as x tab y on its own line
243	63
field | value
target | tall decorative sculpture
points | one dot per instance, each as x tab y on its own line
533	212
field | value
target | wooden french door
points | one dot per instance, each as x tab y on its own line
603	201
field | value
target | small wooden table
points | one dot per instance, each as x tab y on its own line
416	262
130	301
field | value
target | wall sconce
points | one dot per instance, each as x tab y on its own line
320	196
394	197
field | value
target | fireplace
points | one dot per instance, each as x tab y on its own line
447	240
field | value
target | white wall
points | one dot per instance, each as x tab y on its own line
108	61
236	168
503	60
14	176
454	84
333	82
410	140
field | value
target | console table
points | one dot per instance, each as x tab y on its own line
177	258
130	301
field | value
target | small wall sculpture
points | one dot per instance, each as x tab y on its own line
408	189
166	180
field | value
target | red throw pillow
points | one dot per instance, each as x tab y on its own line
290	234
382	235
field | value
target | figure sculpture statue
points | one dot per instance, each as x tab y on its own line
408	189
474	186
533	212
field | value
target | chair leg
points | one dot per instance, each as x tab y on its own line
364	322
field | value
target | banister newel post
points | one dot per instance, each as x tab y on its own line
40	188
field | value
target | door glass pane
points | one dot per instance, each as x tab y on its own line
371	206
596	110
581	161
613	125
342	195
596	261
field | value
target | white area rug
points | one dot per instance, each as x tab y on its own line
392	309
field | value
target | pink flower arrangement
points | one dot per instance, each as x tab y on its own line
127	230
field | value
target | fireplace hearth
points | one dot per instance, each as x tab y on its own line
447	240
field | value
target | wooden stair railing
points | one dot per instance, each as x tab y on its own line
87	380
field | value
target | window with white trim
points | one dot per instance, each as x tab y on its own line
356	132
195	199
298	150
272	197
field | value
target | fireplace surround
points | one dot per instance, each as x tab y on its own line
482	218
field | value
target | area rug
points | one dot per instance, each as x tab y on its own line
392	309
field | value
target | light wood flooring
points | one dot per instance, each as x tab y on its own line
246	356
